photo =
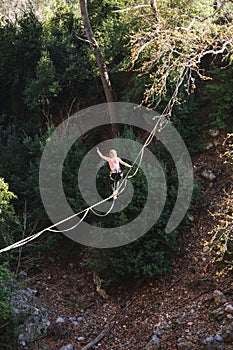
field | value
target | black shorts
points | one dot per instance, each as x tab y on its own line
116	176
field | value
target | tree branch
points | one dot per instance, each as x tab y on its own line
99	337
216	52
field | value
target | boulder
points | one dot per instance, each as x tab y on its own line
31	317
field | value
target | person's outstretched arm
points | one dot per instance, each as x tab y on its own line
101	155
124	163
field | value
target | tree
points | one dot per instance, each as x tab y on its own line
174	50
100	63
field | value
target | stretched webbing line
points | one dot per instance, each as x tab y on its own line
107	212
36	235
71	228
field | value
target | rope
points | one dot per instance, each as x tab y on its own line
71	228
90	208
140	156
105	214
36	235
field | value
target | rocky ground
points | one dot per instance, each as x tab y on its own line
180	311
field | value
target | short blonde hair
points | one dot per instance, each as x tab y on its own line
114	152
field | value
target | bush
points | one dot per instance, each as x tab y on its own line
9	225
219	97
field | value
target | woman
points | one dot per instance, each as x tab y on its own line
115	173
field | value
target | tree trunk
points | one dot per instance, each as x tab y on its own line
100	64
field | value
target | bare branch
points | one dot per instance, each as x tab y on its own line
217	52
99	337
85	40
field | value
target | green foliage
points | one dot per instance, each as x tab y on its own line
20	46
45	86
113	30
7	322
219	98
9	223
43	64
187	120
5	293
20	152
21	148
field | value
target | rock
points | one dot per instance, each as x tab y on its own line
184	346
72	319
154	343
229	309
210	343
229	318
218	338
227	333
208	174
79	319
158	333
191	218
31	317
217	314
209	145
81	338
67	347
60	320
214	132
219	298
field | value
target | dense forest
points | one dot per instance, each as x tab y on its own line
170	58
